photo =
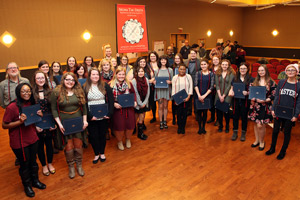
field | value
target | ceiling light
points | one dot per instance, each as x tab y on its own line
231	33
7	39
208	33
275	32
86	36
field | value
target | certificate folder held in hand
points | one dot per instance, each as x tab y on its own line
284	112
224	107
180	96
73	125
47	122
203	105
99	111
238	89
161	82
126	100
31	114
258	92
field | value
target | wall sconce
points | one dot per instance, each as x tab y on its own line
208	33
86	36
231	33
7	39
275	32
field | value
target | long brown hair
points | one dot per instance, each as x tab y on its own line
77	89
267	76
181	60
88	83
220	70
35	87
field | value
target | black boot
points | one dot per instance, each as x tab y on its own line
243	136
141	135
26	181
270	151
35	178
153	120
144	126
174	120
234	135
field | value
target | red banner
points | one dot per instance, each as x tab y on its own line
132	33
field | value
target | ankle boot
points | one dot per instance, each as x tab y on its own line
144	126
70	161
141	135
35	178
270	151
165	125
26	181
78	159
243	136
234	135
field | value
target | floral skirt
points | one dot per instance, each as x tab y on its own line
260	113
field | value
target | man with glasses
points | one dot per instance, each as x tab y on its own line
8	87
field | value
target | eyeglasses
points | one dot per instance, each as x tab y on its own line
68	79
40	78
25	91
291	70
12	68
243	68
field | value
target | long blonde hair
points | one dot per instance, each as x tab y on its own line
104	60
114	79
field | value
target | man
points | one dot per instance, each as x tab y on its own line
193	66
8	87
185	50
108	54
202	51
218	51
226	49
174	49
170	56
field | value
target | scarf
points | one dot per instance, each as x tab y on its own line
120	88
107	76
142	87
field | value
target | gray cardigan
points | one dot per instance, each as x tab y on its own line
138	98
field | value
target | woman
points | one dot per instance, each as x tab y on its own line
214	68
106	70
56	69
81	71
41	94
88	63
287	95
152	63
129	68
180	82
23	139
123	118
142	90
204	84
44	67
241	106
163	95
71	64
68	102
223	79
260	110
98	92
177	62
114	63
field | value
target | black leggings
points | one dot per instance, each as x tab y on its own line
202	118
182	115
152	103
45	138
220	115
240	110
97	135
287	132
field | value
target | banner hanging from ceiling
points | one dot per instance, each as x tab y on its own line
132	35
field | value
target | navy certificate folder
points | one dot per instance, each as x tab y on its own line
99	111
73	125
224	107
126	100
238	89
284	112
180	96
31	114
258	92
47	122
203	105
161	82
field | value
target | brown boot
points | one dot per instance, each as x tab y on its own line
70	160
78	159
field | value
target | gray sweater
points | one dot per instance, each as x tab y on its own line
138	98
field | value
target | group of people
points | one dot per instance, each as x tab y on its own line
71	93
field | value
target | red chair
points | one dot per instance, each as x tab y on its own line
284	61
273	60
275	64
274	76
295	62
277	81
285	64
254	74
272	70
269	66
234	67
280	68
255	67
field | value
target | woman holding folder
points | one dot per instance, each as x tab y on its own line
241	104
182	81
41	93
98	92
68	107
106	70
223	78
123	118
260	110
153	65
23	139
204	84
286	100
